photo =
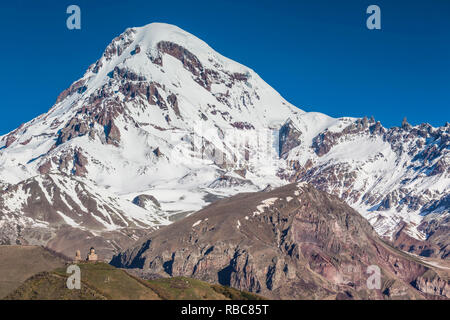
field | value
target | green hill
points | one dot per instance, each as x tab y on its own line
101	281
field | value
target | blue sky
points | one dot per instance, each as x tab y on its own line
318	54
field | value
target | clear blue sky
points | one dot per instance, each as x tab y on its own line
318	54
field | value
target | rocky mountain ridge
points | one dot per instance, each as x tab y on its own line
293	242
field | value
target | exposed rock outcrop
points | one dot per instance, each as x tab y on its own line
289	138
145	201
293	242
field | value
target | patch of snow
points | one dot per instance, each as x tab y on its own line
196	223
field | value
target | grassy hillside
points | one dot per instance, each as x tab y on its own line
103	281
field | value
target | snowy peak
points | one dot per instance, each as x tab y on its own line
162	54
150	38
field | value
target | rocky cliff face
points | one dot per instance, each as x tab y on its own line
433	284
293	242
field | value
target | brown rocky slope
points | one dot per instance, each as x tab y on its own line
293	242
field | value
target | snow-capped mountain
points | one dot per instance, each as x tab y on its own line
162	114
